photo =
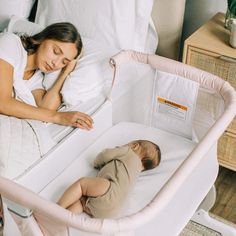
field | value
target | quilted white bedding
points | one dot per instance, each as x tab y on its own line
15	145
22	143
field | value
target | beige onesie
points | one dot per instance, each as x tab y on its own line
121	166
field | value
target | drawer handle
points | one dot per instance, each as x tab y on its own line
228	59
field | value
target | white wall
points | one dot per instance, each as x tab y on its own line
197	12
168	17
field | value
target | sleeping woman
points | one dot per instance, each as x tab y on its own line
22	95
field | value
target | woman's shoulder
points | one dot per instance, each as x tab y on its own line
11	48
10	41
9	37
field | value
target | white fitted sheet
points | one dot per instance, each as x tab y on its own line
174	150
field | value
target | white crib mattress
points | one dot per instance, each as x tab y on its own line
174	150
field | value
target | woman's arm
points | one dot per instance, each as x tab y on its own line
51	99
12	107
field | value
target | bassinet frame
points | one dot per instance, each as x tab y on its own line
60	219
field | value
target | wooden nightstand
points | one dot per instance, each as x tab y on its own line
208	49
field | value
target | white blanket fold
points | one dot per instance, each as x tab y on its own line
22	143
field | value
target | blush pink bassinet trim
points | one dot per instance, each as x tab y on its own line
205	79
46	211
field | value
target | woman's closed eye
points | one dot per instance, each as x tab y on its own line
57	51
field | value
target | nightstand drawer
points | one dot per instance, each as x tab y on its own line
208	49
227	150
232	127
213	63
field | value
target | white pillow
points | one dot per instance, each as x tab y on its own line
121	24
20	25
91	72
91	77
8	8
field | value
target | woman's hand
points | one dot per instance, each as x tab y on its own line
69	67
52	98
74	118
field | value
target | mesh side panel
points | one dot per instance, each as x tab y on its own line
226	70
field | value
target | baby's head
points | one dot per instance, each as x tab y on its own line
148	152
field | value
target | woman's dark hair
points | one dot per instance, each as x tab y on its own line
63	32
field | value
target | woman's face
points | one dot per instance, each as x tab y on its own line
53	55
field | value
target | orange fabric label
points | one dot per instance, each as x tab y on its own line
165	101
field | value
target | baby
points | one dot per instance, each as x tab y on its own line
119	167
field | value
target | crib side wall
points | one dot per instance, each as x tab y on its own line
134	105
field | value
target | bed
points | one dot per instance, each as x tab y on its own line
190	161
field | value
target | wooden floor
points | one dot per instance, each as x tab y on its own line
225	205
